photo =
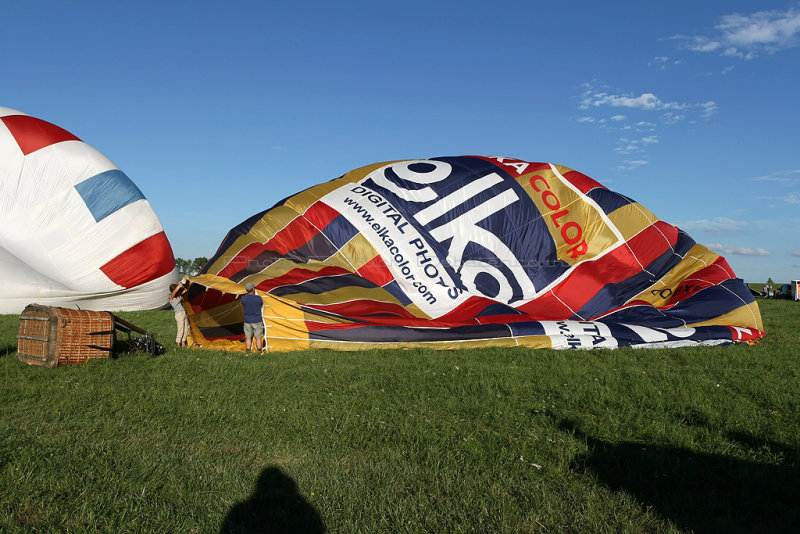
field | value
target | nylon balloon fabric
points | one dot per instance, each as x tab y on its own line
469	251
75	231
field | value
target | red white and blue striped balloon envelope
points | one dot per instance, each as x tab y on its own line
469	251
75	231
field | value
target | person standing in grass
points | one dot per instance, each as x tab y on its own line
253	320
175	292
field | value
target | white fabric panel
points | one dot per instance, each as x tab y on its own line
148	296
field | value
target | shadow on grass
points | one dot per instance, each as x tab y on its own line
696	491
8	350
275	506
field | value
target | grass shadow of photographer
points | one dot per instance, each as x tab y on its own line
275	506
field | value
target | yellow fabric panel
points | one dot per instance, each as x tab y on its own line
748	316
358	251
338	260
220	344
631	219
362	172
528	341
226	314
219	283
697	258
193	336
578	228
286	327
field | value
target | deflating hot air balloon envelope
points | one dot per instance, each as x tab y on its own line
469	251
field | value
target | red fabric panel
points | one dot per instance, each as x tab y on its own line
32	133
320	214
145	261
582	182
467	311
745	334
362	309
545	308
296	234
375	270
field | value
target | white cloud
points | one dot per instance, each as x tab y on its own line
585	119
739	251
792	198
618	118
746	36
630	146
643	101
717	225
673	111
664	62
629	165
779	176
709	108
795	253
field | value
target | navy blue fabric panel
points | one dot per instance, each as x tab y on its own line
323	284
498	309
615	295
528	328
394	288
713	301
644	315
608	200
108	192
407	334
340	231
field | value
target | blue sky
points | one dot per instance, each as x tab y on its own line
218	110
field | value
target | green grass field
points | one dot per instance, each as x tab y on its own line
695	439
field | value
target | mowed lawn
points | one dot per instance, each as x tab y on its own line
508	440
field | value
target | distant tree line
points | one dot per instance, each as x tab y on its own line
190	267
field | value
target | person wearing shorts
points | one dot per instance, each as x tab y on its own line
253	320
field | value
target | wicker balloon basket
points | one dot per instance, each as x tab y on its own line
60	336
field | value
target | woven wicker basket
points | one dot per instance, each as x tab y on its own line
61	336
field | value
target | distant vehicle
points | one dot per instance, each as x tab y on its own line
785	292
